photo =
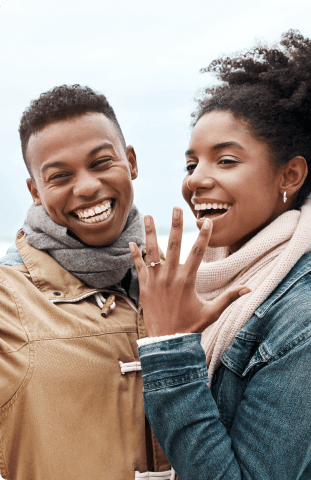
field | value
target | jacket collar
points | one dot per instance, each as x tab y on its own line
302	267
56	283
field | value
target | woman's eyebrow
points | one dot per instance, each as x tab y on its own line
219	146
189	152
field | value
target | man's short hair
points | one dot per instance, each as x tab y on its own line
60	103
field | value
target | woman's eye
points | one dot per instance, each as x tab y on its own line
227	161
190	167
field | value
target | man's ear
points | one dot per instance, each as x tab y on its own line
32	187
293	175
131	157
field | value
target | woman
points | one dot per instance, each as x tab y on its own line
247	183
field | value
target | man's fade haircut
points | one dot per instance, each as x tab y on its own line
61	103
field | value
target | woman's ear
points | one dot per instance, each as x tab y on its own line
293	175
32	187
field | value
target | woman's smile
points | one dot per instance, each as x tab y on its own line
209	208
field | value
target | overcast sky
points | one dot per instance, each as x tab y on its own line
145	56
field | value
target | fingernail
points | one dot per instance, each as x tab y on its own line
147	220
176	213
244	291
207	223
132	246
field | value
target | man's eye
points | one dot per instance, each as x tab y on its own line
58	176
102	162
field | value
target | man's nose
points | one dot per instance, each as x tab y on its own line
86	185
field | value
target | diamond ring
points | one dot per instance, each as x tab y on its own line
153	264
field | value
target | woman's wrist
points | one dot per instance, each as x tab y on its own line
149	340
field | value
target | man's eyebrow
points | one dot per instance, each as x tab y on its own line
61	163
103	146
57	163
219	146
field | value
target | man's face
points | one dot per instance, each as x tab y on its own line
83	176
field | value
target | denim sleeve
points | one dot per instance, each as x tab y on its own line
271	433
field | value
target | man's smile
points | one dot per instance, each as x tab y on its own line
96	213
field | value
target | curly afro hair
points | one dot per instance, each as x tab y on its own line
60	103
269	89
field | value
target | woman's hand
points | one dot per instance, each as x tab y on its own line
170	302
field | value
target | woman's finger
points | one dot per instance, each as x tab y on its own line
174	242
138	261
220	303
195	257
152	251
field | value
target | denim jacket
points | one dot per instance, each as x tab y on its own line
255	421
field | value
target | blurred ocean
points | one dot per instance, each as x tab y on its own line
189	237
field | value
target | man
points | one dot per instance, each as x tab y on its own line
70	385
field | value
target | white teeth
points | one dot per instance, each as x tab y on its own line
97	218
214	206
97	210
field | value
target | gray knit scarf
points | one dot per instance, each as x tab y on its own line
98	267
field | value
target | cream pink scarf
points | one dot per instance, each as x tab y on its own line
260	264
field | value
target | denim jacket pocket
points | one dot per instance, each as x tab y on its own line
244	354
240	362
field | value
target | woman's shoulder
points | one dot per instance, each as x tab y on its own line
295	289
281	323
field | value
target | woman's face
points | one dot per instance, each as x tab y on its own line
230	180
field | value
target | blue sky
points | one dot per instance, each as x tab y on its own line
145	56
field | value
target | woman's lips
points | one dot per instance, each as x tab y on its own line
213	215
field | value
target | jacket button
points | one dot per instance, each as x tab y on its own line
58	294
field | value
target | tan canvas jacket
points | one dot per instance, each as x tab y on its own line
67	412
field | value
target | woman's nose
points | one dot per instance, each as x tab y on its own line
86	185
200	180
